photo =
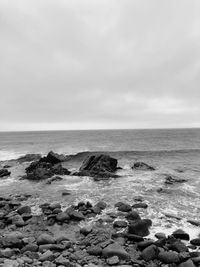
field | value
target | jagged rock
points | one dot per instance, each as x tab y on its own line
29	157
115	250
53	158
75	215
98	166
4	172
142	166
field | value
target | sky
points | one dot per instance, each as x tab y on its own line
99	64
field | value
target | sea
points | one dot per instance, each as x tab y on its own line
174	152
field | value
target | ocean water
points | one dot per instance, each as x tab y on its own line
172	151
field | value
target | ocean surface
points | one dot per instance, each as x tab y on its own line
171	151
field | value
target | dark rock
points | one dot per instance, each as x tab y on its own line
140	206
140	228
142	166
53	158
169	179
102	166
124	207
66	192
115	250
45	239
133	216
75	215
150	253
195	242
54	179
120	224
134	238
160	235
62	217
30	247
180	234
193	222
95	250
4	172
24	209
102	205
144	244
168	257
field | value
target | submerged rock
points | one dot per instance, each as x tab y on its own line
142	166
171	179
140	228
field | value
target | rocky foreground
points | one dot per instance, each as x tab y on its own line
86	234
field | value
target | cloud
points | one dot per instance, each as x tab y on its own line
99	64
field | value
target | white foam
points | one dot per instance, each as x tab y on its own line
8	155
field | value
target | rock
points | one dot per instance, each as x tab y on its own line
24	209
193	222
179	246
53	158
54	179
102	165
55	205
77	216
180	234
134	238
187	263
63	261
4	172
142	166
47	256
30	247
120	224
95	250
140	228
168	257
18	221
7	253
86	230
150	253
63	216
124	207
133	216
10	263
160	236
195	242
115	250
169	179
113	260
144	244
140	206
66	192
45	239
102	205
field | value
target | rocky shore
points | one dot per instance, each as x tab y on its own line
86	234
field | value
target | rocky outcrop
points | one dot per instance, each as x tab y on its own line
4	173
29	157
98	166
141	166
46	167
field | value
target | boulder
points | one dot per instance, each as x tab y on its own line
24	209
123	207
115	250
142	166
179	246
120	224
53	158
133	216
98	166
76	215
195	242
140	228
4	172
62	217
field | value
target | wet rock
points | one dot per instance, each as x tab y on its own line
76	215
195	242
179	246
143	244
53	158
45	239
142	166
86	230
134	238
66	192
193	222
115	250
140	228
140	206
4	173
150	253
133	216
120	224
62	217
24	209
102	205
160	235
113	260
168	257
180	234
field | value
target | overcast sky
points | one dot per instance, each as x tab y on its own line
78	64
